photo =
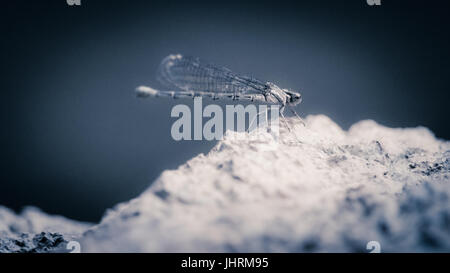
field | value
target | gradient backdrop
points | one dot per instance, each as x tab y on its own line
75	140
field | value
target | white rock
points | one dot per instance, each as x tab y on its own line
35	231
324	189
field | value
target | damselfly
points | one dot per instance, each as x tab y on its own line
192	77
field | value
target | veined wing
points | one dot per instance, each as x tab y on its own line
192	74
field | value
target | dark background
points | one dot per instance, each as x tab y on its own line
75	140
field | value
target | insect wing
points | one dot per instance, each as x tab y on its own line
188	73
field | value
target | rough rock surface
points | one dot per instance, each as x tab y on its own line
35	231
324	190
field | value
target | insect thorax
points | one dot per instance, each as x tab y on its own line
274	94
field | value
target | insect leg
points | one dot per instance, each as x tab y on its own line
255	118
284	119
295	113
289	127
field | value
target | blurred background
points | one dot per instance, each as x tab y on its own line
76	141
